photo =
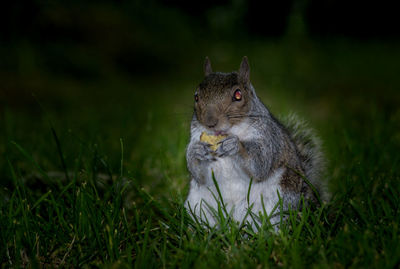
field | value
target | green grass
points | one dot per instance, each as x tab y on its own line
136	130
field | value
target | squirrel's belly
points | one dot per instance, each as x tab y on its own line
233	184
232	180
226	170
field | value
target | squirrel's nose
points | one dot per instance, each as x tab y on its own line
211	125
211	122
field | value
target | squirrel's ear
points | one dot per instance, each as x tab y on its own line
207	67
244	70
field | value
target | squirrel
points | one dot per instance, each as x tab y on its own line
254	147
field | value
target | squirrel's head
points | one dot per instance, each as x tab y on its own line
223	99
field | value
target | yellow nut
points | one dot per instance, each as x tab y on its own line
212	140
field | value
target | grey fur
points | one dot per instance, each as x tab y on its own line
229	146
198	157
310	149
292	149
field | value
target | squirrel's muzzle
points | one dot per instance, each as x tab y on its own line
211	118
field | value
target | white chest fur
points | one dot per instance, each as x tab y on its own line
233	183
234	188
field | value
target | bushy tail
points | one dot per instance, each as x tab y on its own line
310	150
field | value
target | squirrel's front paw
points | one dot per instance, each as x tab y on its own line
228	146
203	152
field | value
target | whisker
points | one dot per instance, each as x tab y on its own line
246	116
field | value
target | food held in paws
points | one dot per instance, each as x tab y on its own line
213	140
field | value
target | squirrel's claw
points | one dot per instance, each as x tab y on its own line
203	152
228	146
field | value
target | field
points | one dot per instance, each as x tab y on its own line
94	174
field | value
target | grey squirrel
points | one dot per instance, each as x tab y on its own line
255	147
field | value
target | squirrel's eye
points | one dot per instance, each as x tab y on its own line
196	97
237	96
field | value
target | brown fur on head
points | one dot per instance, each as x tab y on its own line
216	104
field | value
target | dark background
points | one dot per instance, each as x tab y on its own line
90	40
104	70
87	40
